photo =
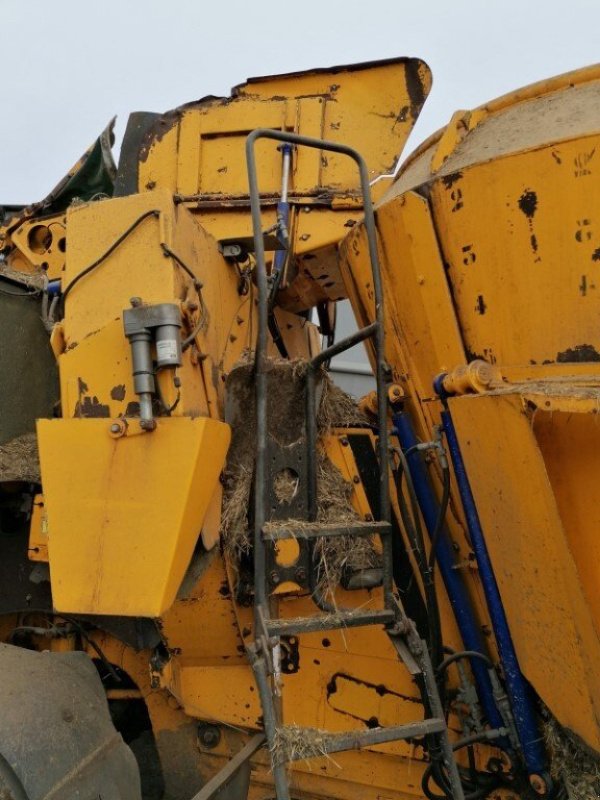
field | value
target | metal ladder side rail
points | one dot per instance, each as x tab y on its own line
261	652
418	656
376	330
266	635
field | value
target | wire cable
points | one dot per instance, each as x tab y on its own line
441	517
487	782
460	655
127	232
414	531
80	629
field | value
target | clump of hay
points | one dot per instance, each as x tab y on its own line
293	743
286	424
285	486
339	554
337	408
571	763
19	459
235	534
35	281
335	554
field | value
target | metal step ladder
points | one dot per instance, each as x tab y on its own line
411	649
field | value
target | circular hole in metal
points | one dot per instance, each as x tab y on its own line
39	239
285	485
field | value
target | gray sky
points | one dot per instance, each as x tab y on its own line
68	66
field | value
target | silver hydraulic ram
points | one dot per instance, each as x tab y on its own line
147	326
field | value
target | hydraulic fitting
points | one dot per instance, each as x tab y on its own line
144	326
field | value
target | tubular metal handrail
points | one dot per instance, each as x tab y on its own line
268	630
376	330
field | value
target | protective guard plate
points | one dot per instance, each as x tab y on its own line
124	514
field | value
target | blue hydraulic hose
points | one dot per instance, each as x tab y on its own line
53	288
518	690
455	588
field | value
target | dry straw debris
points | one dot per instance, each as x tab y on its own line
293	743
572	764
335	554
235	533
19	459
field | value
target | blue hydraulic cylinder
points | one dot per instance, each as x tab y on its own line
518	690
455	588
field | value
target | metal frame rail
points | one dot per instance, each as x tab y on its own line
374	330
267	629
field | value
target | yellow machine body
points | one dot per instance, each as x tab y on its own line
488	247
492	222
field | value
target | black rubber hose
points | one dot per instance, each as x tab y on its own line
441	517
111	249
412	525
11	781
467	741
460	655
478	794
80	629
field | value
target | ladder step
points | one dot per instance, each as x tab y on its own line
328	622
293	743
273	532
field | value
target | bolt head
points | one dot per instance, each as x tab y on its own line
118	429
209	736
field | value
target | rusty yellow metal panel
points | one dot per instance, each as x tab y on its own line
551	620
198	153
423	338
40	246
200	690
208	598
506	196
513	196
95	231
570	443
124	514
518	233
372	107
344	685
208	651
558	109
94	355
